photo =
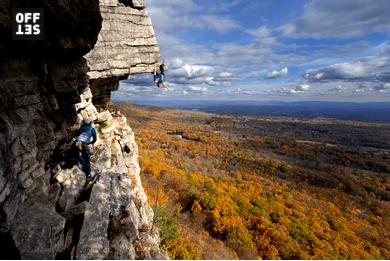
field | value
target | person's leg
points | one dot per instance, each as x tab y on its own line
86	160
158	80
155	78
79	155
165	85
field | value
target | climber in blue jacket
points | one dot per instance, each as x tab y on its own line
86	135
159	76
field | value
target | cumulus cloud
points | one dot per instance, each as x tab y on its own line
281	91
221	63
340	19
128	90
241	91
140	80
181	73
263	35
385	87
186	14
363	88
302	88
277	74
171	46
372	68
220	24
172	18
176	63
190	74
337	89
222	78
196	89
372	87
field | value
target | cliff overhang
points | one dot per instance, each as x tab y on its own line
47	87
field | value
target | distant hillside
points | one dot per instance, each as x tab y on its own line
372	112
226	187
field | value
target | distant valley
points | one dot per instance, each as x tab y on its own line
265	187
371	111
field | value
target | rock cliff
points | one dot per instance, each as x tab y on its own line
126	44
47	87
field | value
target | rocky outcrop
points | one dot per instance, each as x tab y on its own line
126	44
108	216
129	221
47	212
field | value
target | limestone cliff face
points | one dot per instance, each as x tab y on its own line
46	88
126	44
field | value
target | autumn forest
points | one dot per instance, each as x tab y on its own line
229	187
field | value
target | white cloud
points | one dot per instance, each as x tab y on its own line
300	89
172	47
190	71
340	19
337	89
220	64
189	74
385	87
171	16
140	80
282	91
319	75
278	74
127	89
374	68
224	76
176	63
363	88
182	73
263	35
196	89
220	24
371	87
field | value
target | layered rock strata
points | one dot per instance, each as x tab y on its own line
47	212
126	45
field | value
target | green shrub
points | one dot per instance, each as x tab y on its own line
166	221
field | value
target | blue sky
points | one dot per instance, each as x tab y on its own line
335	50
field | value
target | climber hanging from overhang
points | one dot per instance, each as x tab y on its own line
159	76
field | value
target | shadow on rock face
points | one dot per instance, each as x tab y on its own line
6	241
71	26
66	156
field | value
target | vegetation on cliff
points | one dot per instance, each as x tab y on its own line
220	195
